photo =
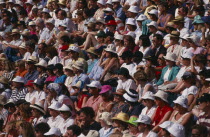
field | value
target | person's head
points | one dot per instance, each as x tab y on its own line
199	131
127	57
204	76
26	129
189	78
58	69
106	92
94	87
144	123
161	98
174	37
118	95
53	110
148	99
30	46
50	24
73	131
140	76
200	60
41	129
18	82
20	65
144	41
62	14
157	40
186	57
123	74
170	59
105	119
128	41
73	52
86	115
182	11
181	104
51	52
116	4
137	57
120	121
204	102
29	86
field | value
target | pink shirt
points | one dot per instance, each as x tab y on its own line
94	103
51	78
198	50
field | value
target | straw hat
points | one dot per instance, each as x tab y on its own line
78	65
106	117
121	116
33	59
92	50
170	56
15	31
111	48
170	24
162	95
69	66
174	34
4	80
62	2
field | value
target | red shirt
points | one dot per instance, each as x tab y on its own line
160	113
79	103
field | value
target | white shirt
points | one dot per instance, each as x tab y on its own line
55	122
65	124
46	35
54	60
38	120
128	84
129	67
39	96
146	51
70	25
165	78
181	72
150	112
189	91
150	134
28	54
16	42
30	96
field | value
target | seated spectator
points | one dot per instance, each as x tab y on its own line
26	129
55	132
52	54
81	98
120	122
72	131
41	129
20	68
30	96
93	58
144	44
176	130
41	68
58	71
200	130
164	128
40	95
68	71
106	124
132	126
51	76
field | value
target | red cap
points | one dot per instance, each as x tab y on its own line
29	83
64	47
111	22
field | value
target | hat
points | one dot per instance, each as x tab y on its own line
177	130
53	131
109	2
20	3
195	39
32	59
111	48
106	117
153	23
29	83
62	2
121	116
39	106
51	21
174	34
170	24
187	75
123	71
182	101
4	80
64	47
105	88
54	87
95	84
31	23
15	31
154	12
69	66
55	106
46	10
166	125
25	33
148	95
111	22
92	133
101	20
101	34
206	19
185	37
141	17
65	108
29	2
38	81
133	9
144	119
205	97
102	2
115	1
78	65
92	50
132	121
63	24
74	48
42	63
178	19
108	10
50	67
131	95
127	54
120	92
77	85
40	7
187	55
18	79
170	56
11	1
197	20
131	21
162	95
118	37
10	103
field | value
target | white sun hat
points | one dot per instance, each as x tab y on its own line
53	131
177	130
148	95
115	1
42	63
170	56
108	10
118	37
51	21
153	23
46	10
154	12
166	125
29	2
39	106
162	95
111	48
18	79
54	87
109	2
74	48
141	17
64	107
187	55
133	9
55	106
11	1
181	101
19	3
102	2
144	119
95	84
185	36
195	39
131	21
106	117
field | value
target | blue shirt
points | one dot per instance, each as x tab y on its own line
60	79
83	78
120	13
91	64
96	72
31	76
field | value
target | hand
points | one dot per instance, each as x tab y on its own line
167	82
203	30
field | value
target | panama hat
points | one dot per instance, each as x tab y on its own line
148	95
42	63
32	59
121	116
162	95
106	117
78	65
174	34
39	106
64	108
170	56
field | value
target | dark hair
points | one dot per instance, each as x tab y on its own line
87	12
184	9
88	111
42	127
63	13
201	58
52	51
34	38
30	44
158	37
165	5
65	39
130	39
202	130
205	73
145	40
75	129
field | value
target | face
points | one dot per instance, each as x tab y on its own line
35	112
185	62
117	98
126	42
102	122
141	127
156	42
108	54
92	90
121	77
30	89
53	112
84	118
195	133
68	72
203	105
115	5
152	29
64	115
157	101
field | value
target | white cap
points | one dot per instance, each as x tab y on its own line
69	66
118	36
133	9
187	55
132	34
64	107
53	131
94	84
74	48
18	79
181	101
141	17
185	37
63	24
102	2
162	95
170	56
153	11
131	21
148	95
111	48
19	3
153	23
51	20
29	2
166	125
177	130
108	9
11	1
46	10
42	63
40	7
55	105
106	117
109	2
143	119
115	1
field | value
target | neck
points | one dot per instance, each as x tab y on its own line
146	131
95	95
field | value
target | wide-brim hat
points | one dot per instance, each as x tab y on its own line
174	34
106	117
178	19
92	50
4	80
78	65
15	31
121	117
148	95
42	63
132	121
162	95
111	48
18	79
39	107
182	101
32	59
170	56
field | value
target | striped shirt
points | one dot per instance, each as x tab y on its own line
204	120
18	95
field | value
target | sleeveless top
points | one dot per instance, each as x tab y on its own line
163	19
180	119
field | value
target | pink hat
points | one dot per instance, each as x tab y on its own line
105	88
